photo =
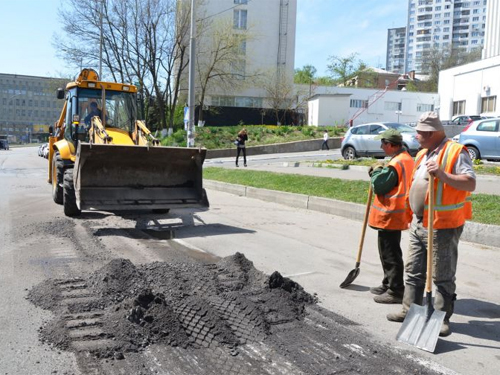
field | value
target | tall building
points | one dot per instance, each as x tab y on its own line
442	24
396	42
267	48
492	37
28	105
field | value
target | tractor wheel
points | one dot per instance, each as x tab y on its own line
69	198
57	178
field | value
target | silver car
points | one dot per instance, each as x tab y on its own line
482	139
360	139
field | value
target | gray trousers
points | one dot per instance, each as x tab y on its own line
444	263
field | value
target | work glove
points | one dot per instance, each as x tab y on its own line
375	167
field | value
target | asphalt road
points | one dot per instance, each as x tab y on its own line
314	249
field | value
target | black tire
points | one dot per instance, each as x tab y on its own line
69	198
349	153
474	153
57	178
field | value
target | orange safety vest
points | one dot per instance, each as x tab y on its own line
452	206
390	211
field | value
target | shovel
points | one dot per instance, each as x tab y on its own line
422	323
355	272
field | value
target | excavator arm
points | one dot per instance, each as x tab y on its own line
143	136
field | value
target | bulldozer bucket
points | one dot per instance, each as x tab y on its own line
118	177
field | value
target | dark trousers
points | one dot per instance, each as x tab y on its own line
325	145
391	256
240	149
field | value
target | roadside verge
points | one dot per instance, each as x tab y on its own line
473	232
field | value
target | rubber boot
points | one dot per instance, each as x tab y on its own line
445	303
412	294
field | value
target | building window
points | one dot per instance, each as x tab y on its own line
238	69
425	107
240	19
488	104
392	106
239	101
358	103
459	107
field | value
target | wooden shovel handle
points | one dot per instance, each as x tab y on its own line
365	222
430	235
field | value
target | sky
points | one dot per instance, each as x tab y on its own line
325	28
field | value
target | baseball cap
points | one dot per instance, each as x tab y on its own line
429	122
391	135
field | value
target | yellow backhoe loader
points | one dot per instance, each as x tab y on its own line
101	157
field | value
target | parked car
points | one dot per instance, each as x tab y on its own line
482	139
360	139
464	119
43	149
4	144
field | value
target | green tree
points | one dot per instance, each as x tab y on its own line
306	75
343	69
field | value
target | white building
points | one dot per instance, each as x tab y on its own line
472	89
442	24
338	105
270	47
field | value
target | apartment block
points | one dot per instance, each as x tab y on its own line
442	24
28	105
396	42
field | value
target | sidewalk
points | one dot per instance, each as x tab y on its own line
473	232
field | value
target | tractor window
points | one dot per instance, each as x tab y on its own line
120	108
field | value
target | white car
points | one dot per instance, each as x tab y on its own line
360	139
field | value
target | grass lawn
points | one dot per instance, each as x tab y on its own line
486	208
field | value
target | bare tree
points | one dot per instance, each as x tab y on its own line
438	59
280	93
142	44
220	58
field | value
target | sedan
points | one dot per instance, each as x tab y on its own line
41	149
360	139
482	139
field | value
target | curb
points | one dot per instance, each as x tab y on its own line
483	234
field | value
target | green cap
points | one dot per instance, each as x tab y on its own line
391	135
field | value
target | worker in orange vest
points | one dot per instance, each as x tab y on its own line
451	166
389	214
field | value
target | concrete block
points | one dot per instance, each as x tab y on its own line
225	187
289	199
335	207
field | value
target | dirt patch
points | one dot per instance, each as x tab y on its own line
129	307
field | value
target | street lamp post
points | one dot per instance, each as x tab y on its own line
398	113
192	44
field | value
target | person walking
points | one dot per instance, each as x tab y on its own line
240	145
388	213
326	137
450	165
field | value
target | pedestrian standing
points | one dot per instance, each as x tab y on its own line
450	165
389	214
326	137
240	145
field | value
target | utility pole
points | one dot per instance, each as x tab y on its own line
101	39
192	45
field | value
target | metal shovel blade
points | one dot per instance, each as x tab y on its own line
350	277
421	327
